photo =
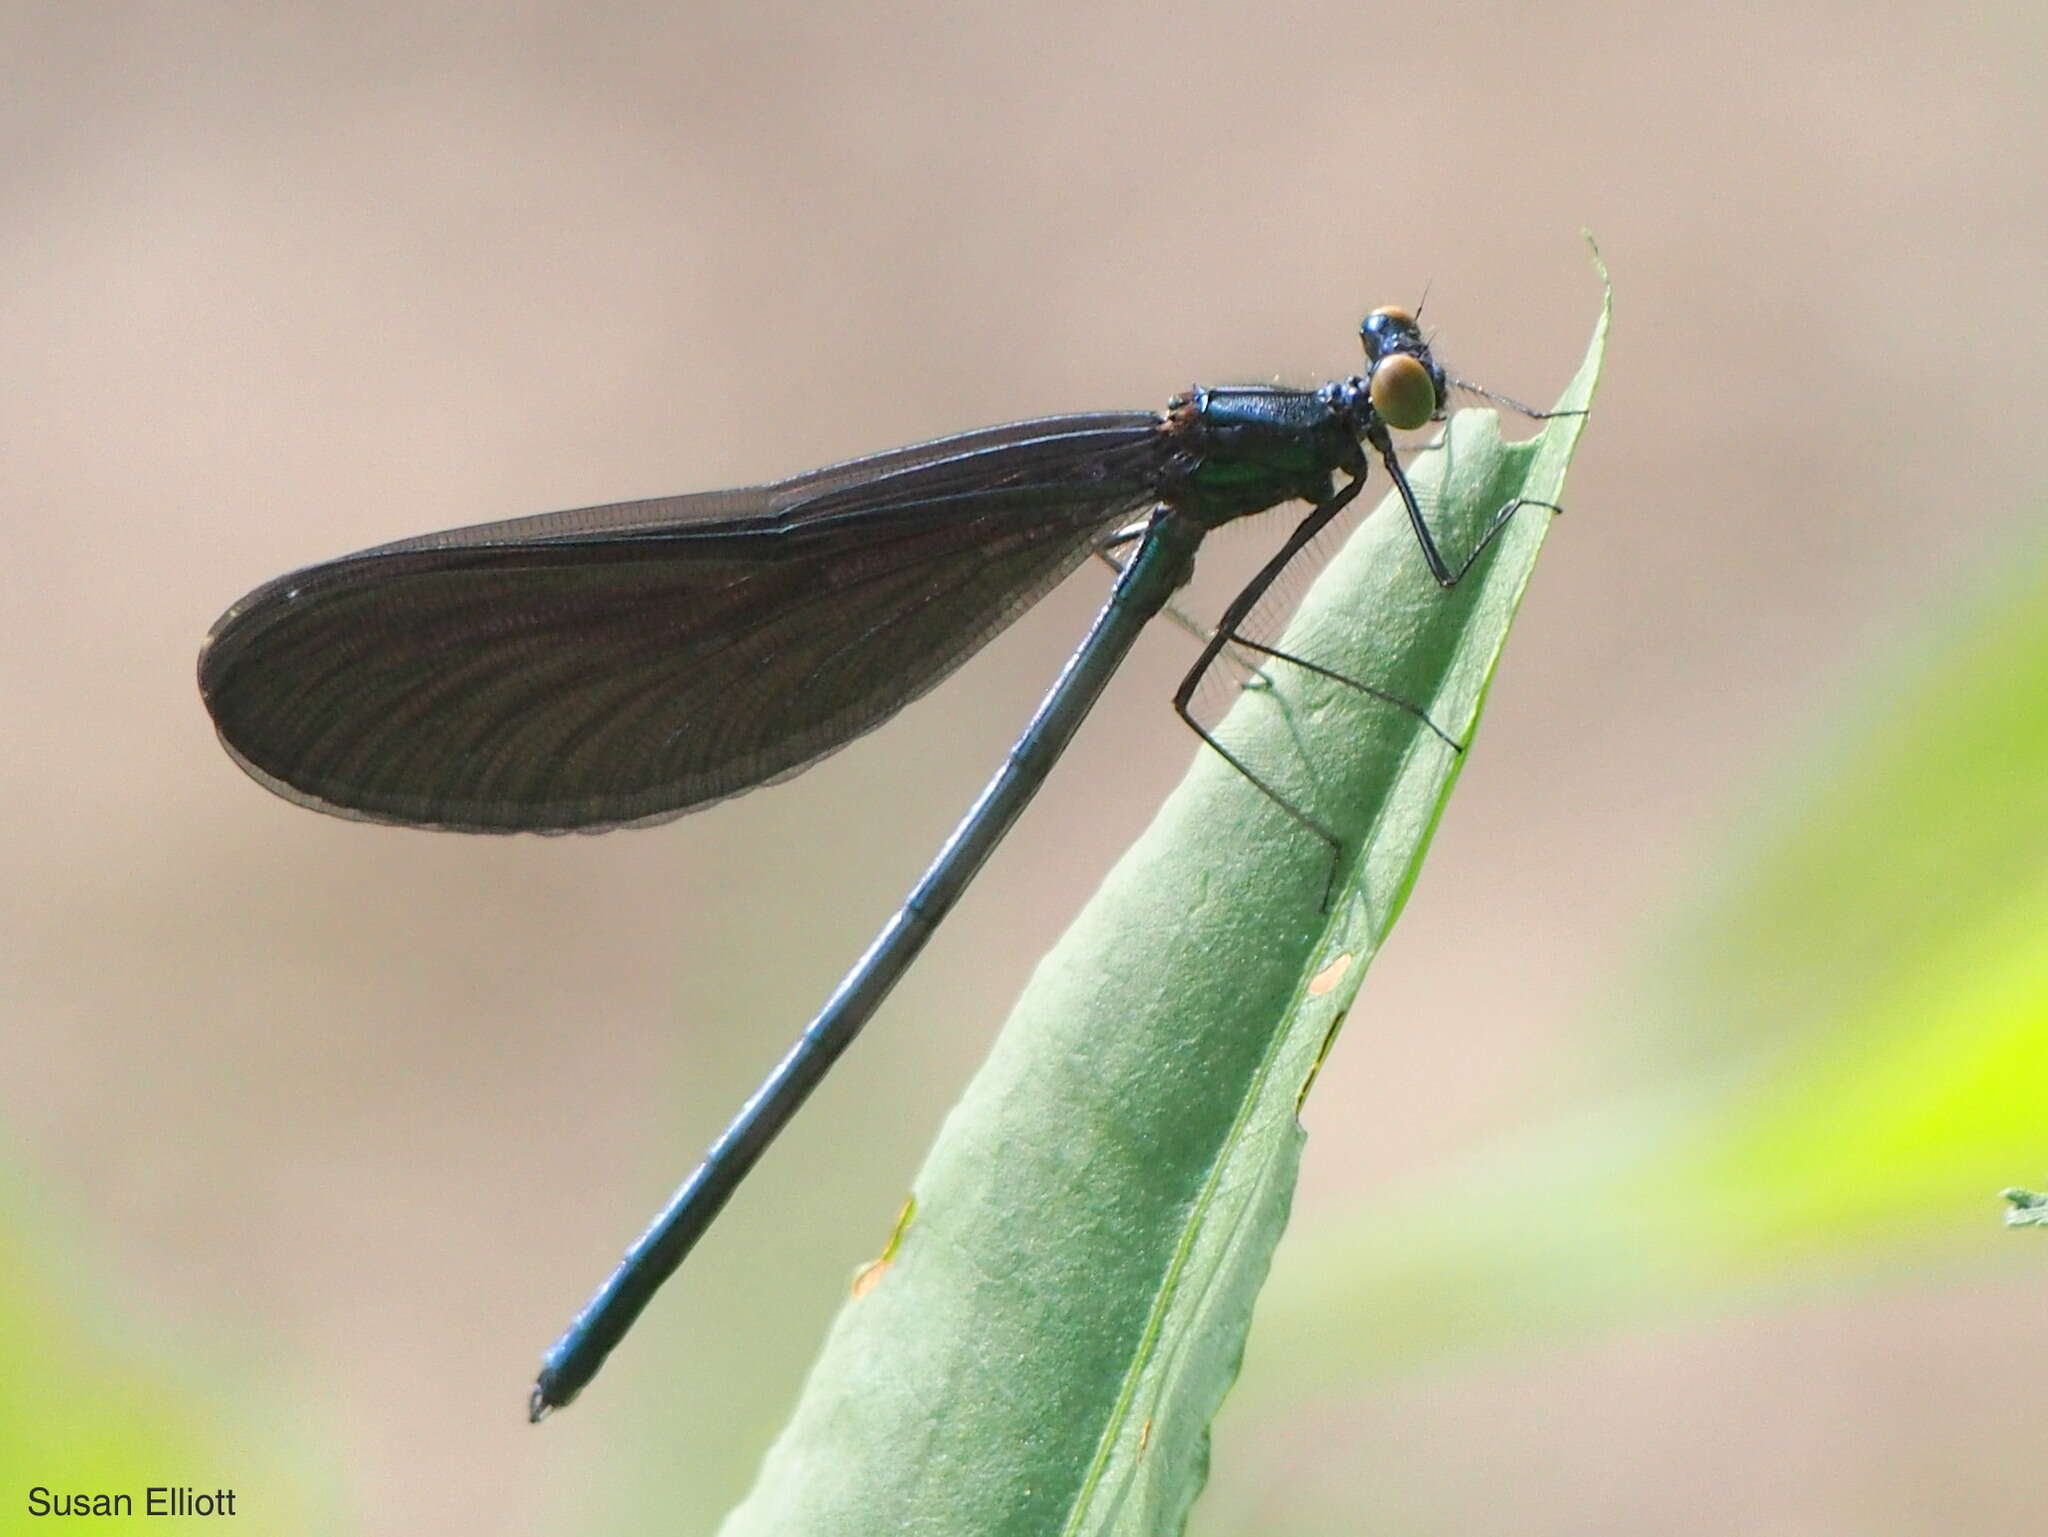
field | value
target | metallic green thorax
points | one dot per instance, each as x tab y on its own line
1255	447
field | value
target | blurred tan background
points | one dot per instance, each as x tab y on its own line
331	1126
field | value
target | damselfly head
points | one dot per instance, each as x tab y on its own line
1405	383
1388	329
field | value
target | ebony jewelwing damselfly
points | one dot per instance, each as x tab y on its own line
620	665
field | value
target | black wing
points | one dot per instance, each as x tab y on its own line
624	664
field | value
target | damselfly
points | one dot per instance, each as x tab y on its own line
620	665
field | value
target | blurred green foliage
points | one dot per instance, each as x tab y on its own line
94	1407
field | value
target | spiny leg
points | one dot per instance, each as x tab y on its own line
1318	518
1438	568
1367	689
1500	521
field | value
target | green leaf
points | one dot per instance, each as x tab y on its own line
1066	1304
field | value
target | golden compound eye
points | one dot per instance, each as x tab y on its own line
1402	392
1400	317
